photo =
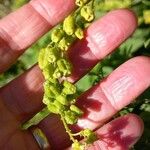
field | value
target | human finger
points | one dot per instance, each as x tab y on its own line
120	134
114	92
101	38
22	28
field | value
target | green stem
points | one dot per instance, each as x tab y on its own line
36	119
92	3
67	129
76	134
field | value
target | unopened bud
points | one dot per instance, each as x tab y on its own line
87	13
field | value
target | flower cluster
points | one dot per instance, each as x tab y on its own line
59	94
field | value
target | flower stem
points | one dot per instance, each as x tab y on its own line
36	119
67	129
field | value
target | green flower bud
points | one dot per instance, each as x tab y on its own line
52	108
64	44
81	2
52	54
69	88
77	146
87	13
46	55
47	100
79	33
42	60
59	106
48	71
68	84
55	90
69	91
64	66
92	138
56	35
51	91
70	117
69	25
86	132
57	74
62	99
53	81
89	135
47	91
77	110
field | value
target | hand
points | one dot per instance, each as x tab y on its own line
22	98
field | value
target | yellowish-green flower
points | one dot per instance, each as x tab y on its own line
79	33
69	25
87	13
81	2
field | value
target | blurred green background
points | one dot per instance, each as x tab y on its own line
138	44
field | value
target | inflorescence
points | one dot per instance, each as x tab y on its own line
59	94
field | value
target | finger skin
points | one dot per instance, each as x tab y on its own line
11	137
23	27
23	98
19	140
116	91
29	85
119	134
